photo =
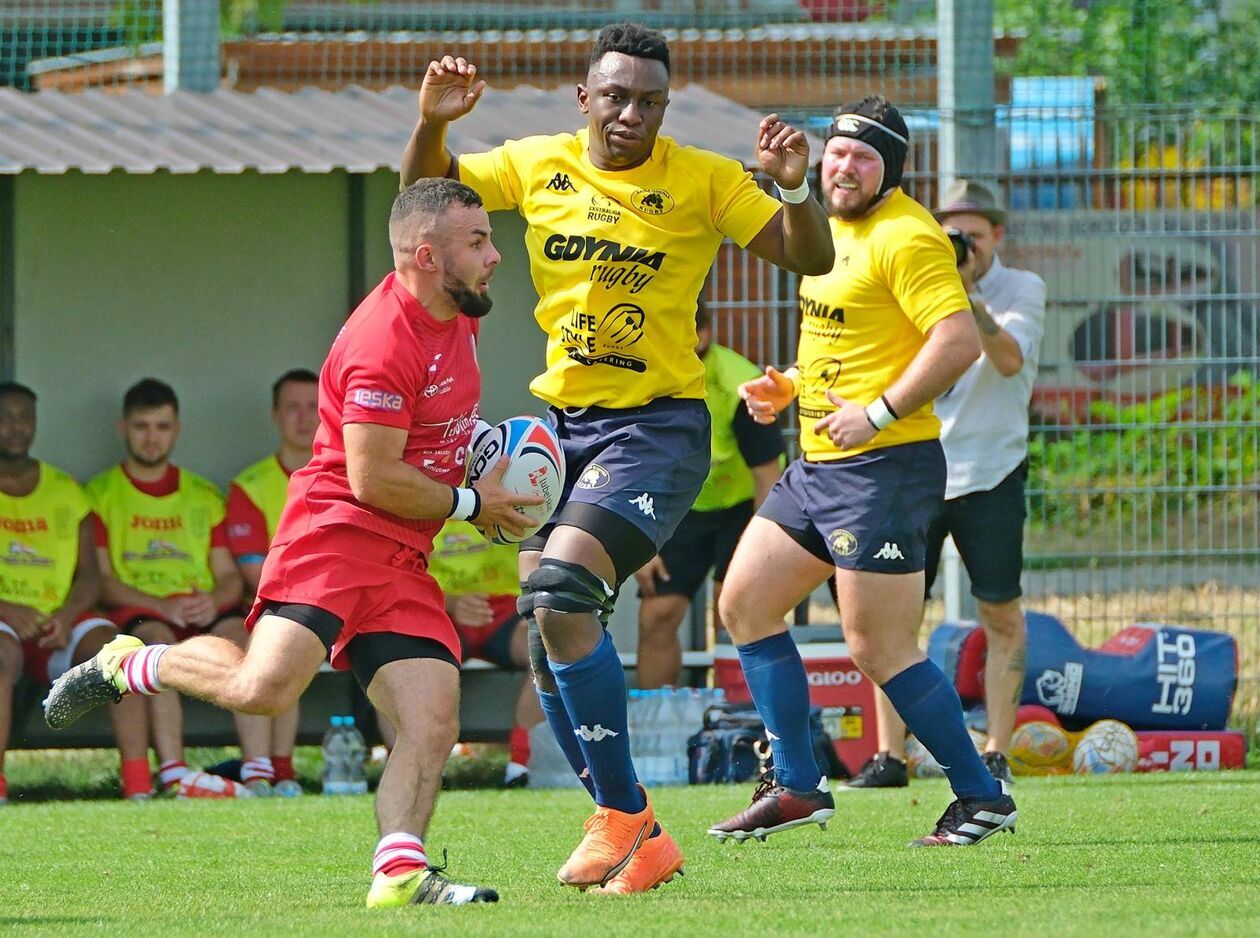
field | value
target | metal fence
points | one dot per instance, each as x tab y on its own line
1131	193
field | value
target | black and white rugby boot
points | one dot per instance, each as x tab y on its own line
880	771
775	808
966	823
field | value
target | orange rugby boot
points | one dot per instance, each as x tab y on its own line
657	861
612	837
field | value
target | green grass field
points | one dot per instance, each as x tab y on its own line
1154	854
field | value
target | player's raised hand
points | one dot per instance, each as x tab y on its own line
782	151
450	89
500	506
847	426
767	395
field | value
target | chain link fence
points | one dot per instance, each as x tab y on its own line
1130	169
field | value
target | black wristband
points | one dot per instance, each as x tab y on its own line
884	398
476	504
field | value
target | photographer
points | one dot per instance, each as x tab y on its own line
984	430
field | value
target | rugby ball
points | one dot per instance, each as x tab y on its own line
1106	746
535	467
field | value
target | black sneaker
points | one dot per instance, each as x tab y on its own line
998	767
881	771
775	808
966	823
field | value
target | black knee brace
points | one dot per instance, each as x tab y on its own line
569	587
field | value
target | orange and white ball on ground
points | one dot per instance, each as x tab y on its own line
1040	748
1104	747
535	467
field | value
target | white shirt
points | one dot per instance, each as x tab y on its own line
984	417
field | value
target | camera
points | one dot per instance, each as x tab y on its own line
964	244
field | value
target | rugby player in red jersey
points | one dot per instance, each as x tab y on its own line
346	575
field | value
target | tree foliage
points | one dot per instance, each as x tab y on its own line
1149	51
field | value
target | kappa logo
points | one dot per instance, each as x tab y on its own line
843	542
561	182
596	735
644	504
890	551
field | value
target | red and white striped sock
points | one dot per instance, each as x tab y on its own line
171	772
253	770
397	854
140	670
283	767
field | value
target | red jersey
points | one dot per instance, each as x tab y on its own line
394	365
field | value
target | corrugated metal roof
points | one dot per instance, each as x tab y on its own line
311	130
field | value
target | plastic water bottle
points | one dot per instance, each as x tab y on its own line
635	727
336	774
548	767
356	758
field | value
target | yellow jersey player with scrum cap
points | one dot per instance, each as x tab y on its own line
623	225
883	334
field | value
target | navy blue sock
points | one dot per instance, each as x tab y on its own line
594	693
776	677
930	707
562	729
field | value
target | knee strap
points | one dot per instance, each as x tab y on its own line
569	587
525	603
544	680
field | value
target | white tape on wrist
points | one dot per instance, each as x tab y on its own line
794	196
467	504
880	414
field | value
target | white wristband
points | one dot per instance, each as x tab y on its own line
467	504
794	196
879	413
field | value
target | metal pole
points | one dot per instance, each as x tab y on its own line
8	278
190	45
965	90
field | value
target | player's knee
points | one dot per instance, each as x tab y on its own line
558	586
92	642
262	694
1002	622
152	632
10	664
539	667
436	729
734	613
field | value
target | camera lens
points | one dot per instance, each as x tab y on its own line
963	245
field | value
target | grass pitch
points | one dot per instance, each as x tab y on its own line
1122	855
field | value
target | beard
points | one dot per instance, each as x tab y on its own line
858	211
469	302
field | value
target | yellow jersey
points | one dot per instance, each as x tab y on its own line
267	485
865	321
40	545
463	561
618	258
159	545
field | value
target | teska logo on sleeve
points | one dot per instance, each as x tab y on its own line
378	400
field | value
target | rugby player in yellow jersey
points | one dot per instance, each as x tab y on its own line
623	224
49	582
884	334
255	499
166	571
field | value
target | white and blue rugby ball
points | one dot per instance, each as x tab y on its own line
535	467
